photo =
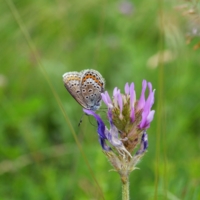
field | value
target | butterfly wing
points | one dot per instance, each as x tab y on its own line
72	82
92	85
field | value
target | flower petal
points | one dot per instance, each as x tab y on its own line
101	125
115	92
146	119
141	101
127	89
150	117
108	97
104	98
147	114
132	95
120	102
104	145
143	143
132	115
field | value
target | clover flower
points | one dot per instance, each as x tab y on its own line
129	120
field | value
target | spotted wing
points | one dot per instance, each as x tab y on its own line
72	82
92	85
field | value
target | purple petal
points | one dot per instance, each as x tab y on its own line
132	115
149	102
146	119
115	92
104	145
150	87
150	117
101	125
104	98
143	144
147	114
113	136
141	101
120	102
110	116
108	97
132	95
102	130
143	124
127	89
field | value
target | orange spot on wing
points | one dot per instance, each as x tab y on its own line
92	77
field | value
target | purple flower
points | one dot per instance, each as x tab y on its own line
128	118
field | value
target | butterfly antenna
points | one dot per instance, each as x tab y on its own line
92	122
81	120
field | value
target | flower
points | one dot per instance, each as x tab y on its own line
129	119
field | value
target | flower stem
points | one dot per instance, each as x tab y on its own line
125	188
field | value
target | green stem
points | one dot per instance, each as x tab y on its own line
125	188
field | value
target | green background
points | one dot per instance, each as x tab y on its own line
41	40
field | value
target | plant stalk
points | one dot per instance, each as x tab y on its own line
125	187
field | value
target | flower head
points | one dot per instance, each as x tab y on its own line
129	119
129	115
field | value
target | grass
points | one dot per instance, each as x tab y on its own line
39	156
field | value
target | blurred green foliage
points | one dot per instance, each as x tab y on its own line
39	158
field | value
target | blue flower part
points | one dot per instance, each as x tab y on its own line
143	144
101	125
105	134
104	145
100	129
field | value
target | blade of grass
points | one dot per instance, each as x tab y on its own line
32	47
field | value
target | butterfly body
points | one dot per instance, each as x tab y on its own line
85	87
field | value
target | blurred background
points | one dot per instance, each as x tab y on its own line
126	41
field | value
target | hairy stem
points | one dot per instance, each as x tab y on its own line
125	188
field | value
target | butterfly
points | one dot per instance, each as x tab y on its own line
85	87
